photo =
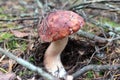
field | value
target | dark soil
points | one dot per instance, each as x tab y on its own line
73	57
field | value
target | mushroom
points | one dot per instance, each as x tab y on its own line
55	28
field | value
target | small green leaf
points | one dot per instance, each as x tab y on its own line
31	59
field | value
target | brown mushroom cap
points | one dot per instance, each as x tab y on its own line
59	24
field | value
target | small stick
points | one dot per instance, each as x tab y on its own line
95	68
28	65
91	2
92	36
13	20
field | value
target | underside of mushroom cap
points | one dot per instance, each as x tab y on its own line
59	24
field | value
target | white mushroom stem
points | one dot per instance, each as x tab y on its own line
52	59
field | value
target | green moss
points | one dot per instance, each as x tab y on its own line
5	36
109	22
11	42
1	9
2	16
26	72
23	46
23	9
14	44
90	74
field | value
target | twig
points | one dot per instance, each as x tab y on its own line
95	68
91	2
101	8
105	26
96	7
95	37
116	38
92	36
97	50
2	58
28	65
19	27
39	4
21	19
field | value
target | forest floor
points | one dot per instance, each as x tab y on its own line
18	34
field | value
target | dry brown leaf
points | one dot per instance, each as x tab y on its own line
4	62
7	76
19	33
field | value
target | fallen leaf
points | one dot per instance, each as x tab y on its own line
19	33
7	76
